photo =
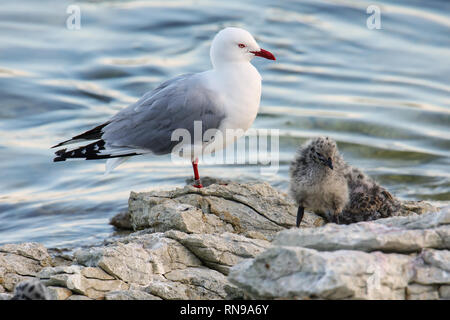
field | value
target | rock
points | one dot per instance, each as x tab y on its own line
421	292
137	257
429	274
193	283
444	292
235	208
207	181
396	234
130	295
127	262
90	282
409	207
78	297
220	252
31	250
5	296
169	215
121	220
300	273
58	293
21	262
393	258
214	243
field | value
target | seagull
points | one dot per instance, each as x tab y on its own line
224	98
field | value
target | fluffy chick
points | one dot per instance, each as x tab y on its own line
30	290
323	182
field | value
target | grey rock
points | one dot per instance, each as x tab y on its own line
187	241
207	181
393	258
21	262
78	297
121	220
87	281
5	296
127	262
138	257
220	252
409	207
301	273
236	208
170	215
31	250
197	283
420	292
58	293
396	234
444	292
130	295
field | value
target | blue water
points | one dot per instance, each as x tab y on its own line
384	95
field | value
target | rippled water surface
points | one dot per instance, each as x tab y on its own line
384	95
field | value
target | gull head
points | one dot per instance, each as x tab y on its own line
322	151
236	45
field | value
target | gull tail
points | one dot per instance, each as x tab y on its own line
95	151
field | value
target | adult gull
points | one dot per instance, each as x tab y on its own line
224	98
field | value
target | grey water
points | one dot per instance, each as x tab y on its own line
383	94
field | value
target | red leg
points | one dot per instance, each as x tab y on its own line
197	182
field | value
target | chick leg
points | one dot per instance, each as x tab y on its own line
300	212
336	215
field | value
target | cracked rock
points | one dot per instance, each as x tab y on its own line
236	208
220	252
393	258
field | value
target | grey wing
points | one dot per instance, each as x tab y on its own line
148	124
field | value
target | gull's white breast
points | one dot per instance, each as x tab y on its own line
239	88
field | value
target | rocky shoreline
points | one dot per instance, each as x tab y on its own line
235	241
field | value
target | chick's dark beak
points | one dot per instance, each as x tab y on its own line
329	164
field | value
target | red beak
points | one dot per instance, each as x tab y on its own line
264	53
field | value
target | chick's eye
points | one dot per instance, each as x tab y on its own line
241	45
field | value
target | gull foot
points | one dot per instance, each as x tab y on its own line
197	184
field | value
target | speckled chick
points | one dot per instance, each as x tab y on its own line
322	182
30	290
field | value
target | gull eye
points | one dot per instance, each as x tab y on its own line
241	45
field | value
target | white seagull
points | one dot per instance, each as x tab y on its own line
225	97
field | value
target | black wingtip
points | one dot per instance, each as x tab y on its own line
62	143
61	152
57	145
